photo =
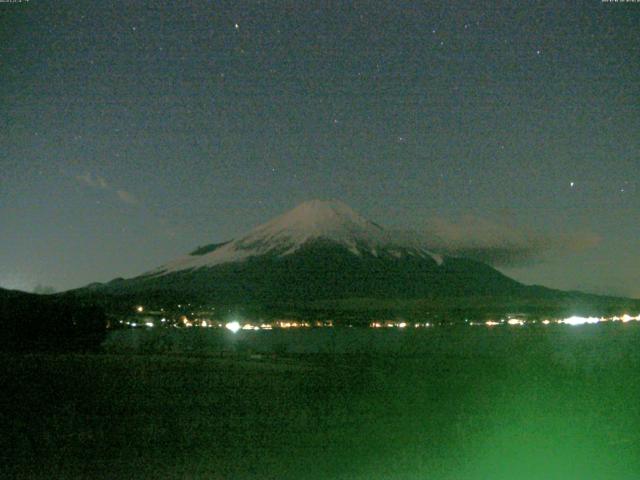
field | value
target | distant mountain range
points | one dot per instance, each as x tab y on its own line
322	256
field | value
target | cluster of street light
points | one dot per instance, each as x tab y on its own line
573	320
237	325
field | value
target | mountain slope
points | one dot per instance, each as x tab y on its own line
324	270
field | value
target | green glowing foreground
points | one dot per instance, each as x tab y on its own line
489	403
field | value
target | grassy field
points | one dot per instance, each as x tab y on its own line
526	410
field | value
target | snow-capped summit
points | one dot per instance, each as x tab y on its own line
331	221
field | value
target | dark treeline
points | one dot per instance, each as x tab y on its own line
30	322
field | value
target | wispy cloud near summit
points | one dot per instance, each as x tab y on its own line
501	244
90	180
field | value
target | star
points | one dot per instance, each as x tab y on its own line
572	184
237	27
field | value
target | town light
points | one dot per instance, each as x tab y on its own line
575	320
233	326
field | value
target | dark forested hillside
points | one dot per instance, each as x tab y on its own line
46	322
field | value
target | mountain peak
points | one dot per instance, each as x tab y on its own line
330	219
324	206
318	214
327	220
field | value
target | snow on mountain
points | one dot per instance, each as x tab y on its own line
331	221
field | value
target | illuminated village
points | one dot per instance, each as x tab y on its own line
141	318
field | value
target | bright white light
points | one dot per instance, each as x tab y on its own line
491	323
515	321
402	325
149	324
140	309
546	322
575	320
233	326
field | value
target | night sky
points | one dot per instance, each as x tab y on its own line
131	134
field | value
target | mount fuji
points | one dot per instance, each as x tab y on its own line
318	250
325	253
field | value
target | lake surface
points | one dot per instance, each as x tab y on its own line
571	343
